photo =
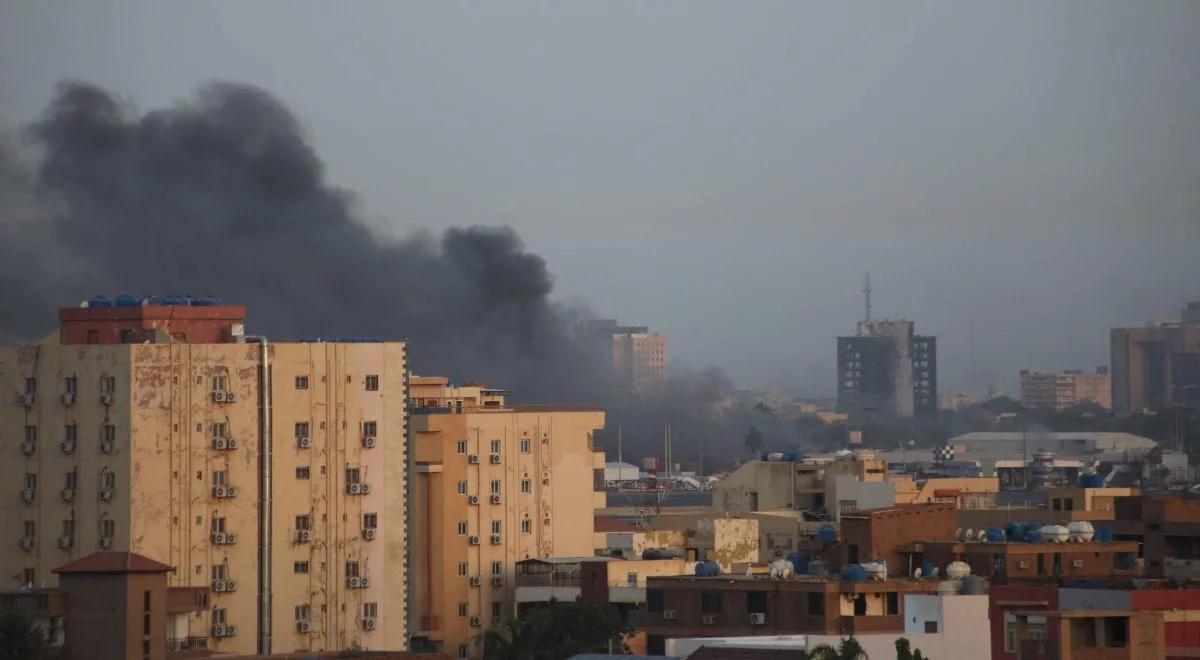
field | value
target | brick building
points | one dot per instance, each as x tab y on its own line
1002	562
1169	528
880	533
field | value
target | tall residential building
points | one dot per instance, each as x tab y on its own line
637	358
493	484
1157	365
1055	391
272	475
886	369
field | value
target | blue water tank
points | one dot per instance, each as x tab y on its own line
708	569
1033	536
173	299
98	301
854	573
206	301
817	567
827	534
1103	533
927	569
799	562
126	300
1091	480
793	456
995	536
1016	531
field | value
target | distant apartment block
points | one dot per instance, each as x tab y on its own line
494	484
637	358
1157	365
1056	391
886	369
272	476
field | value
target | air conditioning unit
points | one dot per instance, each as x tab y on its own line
1076	563
231	491
106	447
67	446
221	443
495	458
230	585
545	482
67	494
302	626
230	397
65	542
473	459
28	447
354	489
220	491
230	630
26	542
220	630
1023	564
495	499
475	581
368	535
495	539
364	583
106	399
473	499
475	622
497	581
68	399
368	623
474	540
708	619
27	399
758	618
106	542
220	538
106	494
218	396
670	615
231	443
303	442
354	582
303	536
27	495
368	441
230	539
366	489
218	586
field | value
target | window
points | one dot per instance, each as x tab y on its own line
220	477
218	616
462	569
756	601
126	335
108	528
370	610
846	506
496	609
110	433
495	486
302	473
27	576
1116	630
300	567
497	568
892	604
351	569
931	627
72	432
68	528
372	383
370	429
71	480
70	384
108	384
1035	627
1056	504
526	486
219	429
303	612
218	571
220	383
461	447
496	525
462	651
526	526
302	382
710	602
1010	633
495	446
1068	504
31	386
816	604
30	480
462	610
524	445
352	475
218	525
108	480
303	523
654	600
370	521
301	429
31	433
462	528
631	578
462	488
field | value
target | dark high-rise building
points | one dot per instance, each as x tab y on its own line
887	370
1157	365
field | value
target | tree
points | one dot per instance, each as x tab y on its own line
754	440
904	651
553	631
508	639
20	639
847	649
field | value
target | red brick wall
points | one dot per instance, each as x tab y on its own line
195	325
1020	597
883	532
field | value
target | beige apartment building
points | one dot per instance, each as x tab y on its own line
493	484
1056	391
636	356
162	430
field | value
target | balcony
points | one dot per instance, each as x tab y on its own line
187	644
856	625
1182	568
186	600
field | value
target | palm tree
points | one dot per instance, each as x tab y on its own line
847	649
509	639
20	639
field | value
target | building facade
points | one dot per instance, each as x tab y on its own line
493	484
1157	365
637	357
887	370
217	458
1056	391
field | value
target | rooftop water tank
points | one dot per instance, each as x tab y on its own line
854	573
973	585
1081	531
1016	531
773	456
817	567
995	536
1092	480
781	569
876	571
1054	534
97	301
1103	533
958	570
707	569
126	300
1033	536
799	562
827	534
927	570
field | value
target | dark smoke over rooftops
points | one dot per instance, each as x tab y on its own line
222	194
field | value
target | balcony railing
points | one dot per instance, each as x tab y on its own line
548	580
187	644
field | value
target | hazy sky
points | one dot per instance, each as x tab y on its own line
1026	174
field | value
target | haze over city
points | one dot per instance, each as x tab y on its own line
1017	178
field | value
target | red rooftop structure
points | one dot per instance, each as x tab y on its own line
135	321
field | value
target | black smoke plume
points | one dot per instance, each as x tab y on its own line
222	194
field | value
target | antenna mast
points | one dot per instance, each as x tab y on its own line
867	293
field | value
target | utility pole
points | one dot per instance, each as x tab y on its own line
867	293
619	443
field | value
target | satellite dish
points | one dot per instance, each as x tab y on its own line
917	573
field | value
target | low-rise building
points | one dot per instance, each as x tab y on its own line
1169	528
882	533
1004	562
1056	391
833	486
